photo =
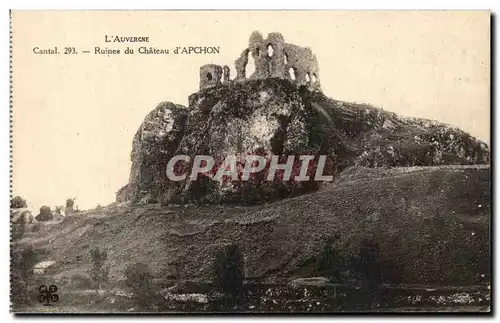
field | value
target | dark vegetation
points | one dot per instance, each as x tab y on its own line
45	214
228	277
139	283
23	259
99	271
18	202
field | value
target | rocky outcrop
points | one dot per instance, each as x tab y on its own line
155	142
274	117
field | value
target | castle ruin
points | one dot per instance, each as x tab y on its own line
273	58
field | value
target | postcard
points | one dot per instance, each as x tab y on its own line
250	162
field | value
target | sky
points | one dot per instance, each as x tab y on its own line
74	116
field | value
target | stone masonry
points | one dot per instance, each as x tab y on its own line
273	58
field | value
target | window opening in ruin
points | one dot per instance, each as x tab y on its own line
257	51
270	50
292	73
250	67
285	58
209	76
314	78
308	78
231	72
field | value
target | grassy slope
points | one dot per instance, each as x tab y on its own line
431	225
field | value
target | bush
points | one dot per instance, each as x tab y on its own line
98	273
18	228
58	211
369	264
331	262
18	202
70	202
28	261
45	214
228	274
22	261
139	281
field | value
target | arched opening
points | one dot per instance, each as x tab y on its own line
285	59
314	78
291	71
270	50
250	67
209	76
308	78
257	51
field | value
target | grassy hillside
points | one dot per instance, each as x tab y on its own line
426	225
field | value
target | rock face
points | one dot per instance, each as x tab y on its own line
155	142
274	117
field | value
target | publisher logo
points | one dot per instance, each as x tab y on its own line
48	295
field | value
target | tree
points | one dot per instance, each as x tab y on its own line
18	202
228	272
370	266
331	262
23	259
58	210
45	214
139	281
371	269
70	203
98	273
18	228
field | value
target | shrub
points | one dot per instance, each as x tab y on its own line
139	281
98	273
369	264
45	214
18	228
331	262
28	261
58	210
18	202
70	202
228	274
22	261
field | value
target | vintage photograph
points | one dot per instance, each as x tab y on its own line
250	162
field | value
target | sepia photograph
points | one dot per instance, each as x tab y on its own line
250	162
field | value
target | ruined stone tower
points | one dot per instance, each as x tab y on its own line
273	58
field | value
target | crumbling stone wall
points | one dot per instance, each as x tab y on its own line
226	74
240	65
273	58
301	65
210	76
275	50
